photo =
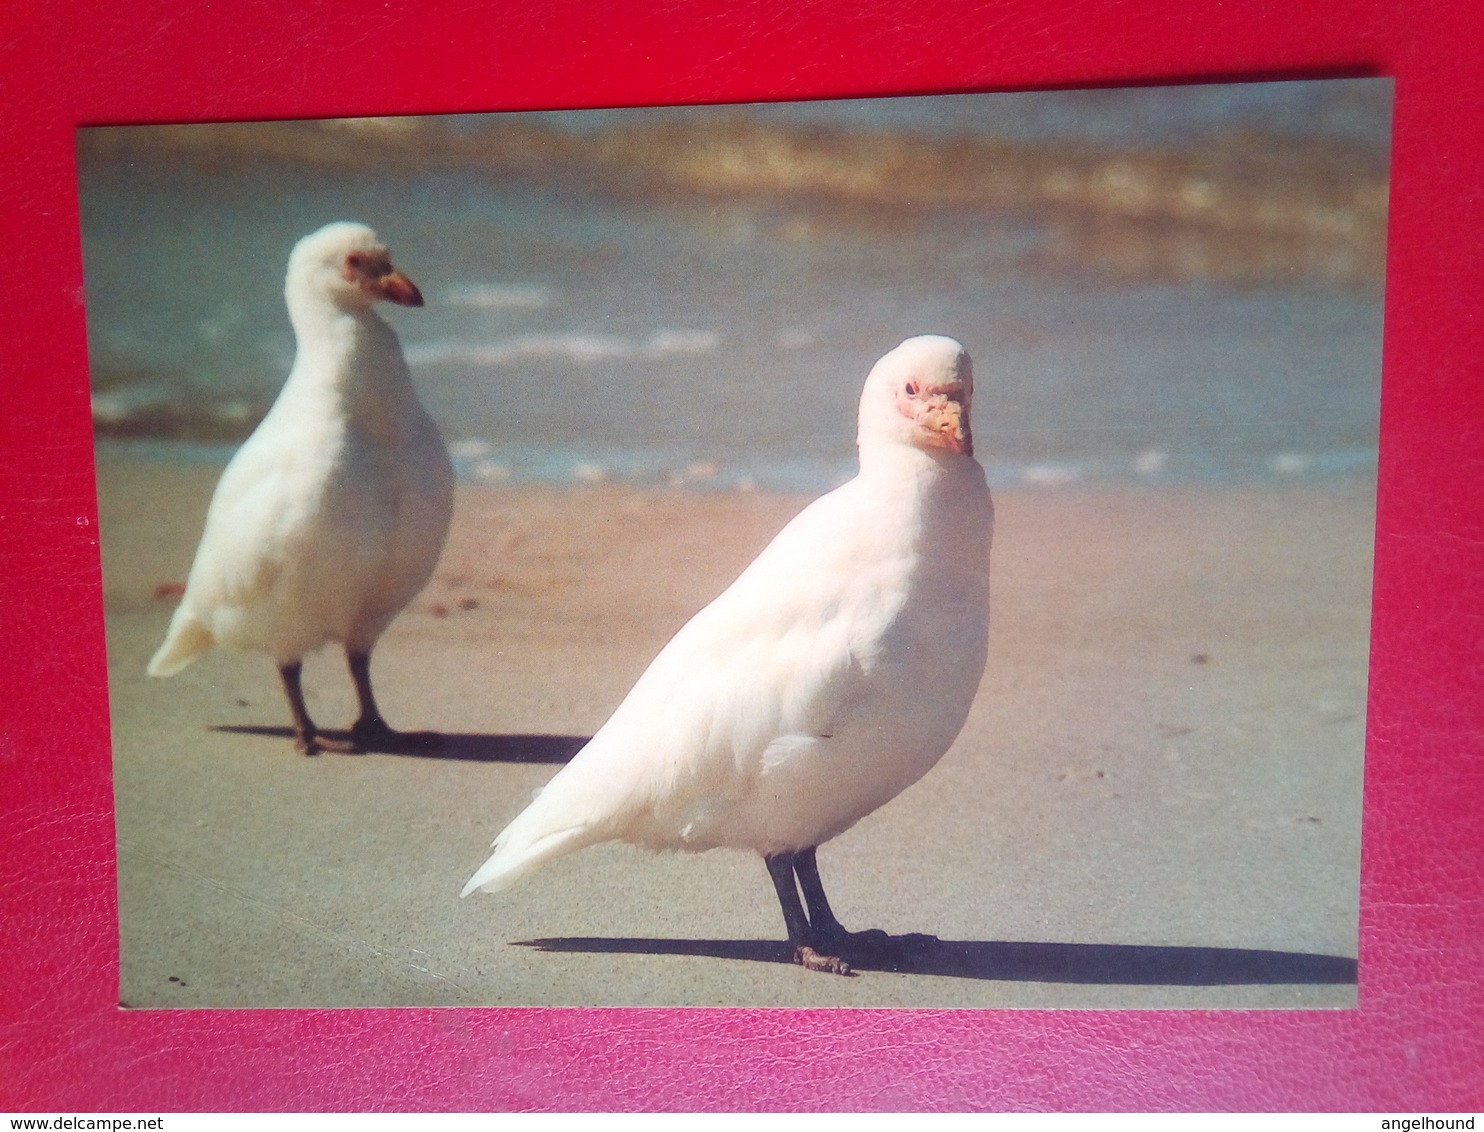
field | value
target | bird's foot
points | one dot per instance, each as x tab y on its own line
311	742
811	960
875	947
376	735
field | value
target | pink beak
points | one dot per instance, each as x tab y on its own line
943	419
395	287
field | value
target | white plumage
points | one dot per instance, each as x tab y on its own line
829	677
332	515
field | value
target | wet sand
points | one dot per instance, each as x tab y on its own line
1155	802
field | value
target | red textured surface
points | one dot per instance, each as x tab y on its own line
1417	1041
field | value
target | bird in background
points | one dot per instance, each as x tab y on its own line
834	672
332	515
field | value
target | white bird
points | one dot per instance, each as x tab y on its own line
831	675
332	515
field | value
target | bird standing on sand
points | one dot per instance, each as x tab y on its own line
833	674
331	517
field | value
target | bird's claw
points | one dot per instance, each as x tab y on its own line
811	960
313	743
869	948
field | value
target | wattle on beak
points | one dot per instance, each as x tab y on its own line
944	421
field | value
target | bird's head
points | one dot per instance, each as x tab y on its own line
347	264
919	394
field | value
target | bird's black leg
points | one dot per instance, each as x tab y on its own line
781	867
369	728
821	917
370	731
829	933
307	738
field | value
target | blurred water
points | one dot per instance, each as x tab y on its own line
577	329
1158	116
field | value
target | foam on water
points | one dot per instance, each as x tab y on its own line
585	349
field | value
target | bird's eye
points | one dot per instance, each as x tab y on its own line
911	389
355	260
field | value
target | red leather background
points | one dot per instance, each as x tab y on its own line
1417	1041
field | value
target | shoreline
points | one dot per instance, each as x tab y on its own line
482	465
1165	756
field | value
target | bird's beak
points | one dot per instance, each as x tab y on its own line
944	420
396	288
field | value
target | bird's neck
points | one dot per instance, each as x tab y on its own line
344	346
907	464
941	491
322	324
350	363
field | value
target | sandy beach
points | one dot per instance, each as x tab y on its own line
1155	802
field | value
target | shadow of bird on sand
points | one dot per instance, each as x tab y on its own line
463	746
1096	963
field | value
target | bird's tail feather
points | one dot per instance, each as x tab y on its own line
510	863
589	800
186	640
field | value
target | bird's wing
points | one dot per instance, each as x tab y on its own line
237	561
773	660
265	501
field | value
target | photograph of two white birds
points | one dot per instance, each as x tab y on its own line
617	485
